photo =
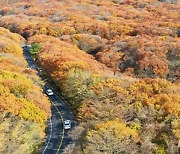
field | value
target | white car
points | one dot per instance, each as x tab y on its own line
49	92
67	124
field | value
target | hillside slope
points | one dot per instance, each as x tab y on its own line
24	108
116	62
139	38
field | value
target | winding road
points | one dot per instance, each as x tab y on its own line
57	137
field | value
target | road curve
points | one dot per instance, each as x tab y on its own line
57	138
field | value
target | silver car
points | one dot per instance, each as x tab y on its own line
49	92
67	124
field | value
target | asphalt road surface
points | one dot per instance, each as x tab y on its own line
57	137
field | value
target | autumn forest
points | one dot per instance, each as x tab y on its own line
115	62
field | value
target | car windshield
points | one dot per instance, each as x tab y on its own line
67	122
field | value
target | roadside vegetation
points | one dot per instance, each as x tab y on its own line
35	47
24	109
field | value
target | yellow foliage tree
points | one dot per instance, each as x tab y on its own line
107	137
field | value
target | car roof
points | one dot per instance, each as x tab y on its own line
67	121
49	90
